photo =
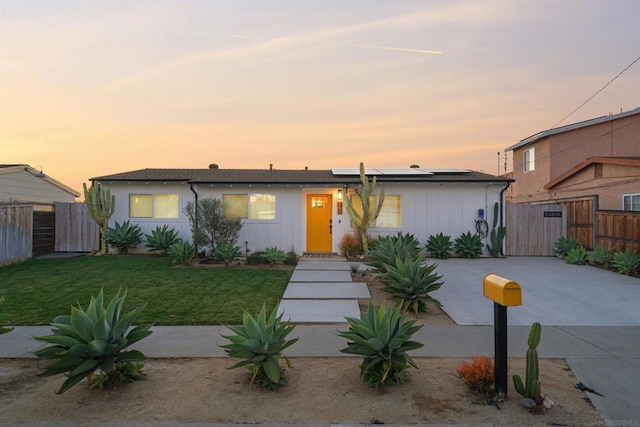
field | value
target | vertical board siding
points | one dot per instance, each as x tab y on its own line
16	231
44	233
580	214
76	231
529	232
618	230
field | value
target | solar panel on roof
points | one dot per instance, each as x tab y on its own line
396	172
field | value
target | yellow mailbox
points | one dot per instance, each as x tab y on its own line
502	291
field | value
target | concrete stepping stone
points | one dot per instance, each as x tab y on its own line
333	290
323	265
320	276
318	311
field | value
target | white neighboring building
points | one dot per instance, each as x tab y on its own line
24	184
302	210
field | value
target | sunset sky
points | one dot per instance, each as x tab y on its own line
89	88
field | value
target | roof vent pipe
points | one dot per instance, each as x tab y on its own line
414	167
213	166
270	166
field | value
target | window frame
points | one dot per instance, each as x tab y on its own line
248	214
529	160
631	196
373	200
153	205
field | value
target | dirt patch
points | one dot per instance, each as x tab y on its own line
320	390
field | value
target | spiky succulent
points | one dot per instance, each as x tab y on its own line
439	246
386	249
125	236
227	253
468	245
411	281
161	239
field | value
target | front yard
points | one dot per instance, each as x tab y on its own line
36	291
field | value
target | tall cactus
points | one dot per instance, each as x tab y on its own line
362	222
497	234
100	204
531	388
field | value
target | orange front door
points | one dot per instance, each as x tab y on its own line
319	222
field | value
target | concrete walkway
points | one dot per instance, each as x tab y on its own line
322	292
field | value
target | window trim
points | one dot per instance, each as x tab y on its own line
630	195
529	165
373	203
247	217
153	206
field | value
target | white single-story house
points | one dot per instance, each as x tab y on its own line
20	183
302	210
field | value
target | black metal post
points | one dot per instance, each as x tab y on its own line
500	341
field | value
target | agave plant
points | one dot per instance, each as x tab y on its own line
439	246
468	245
386	249
577	256
182	252
601	256
227	253
161	239
123	237
274	255
92	340
260	342
411	281
383	337
564	244
626	262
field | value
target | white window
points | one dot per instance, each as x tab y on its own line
390	214
631	202
250	206
153	206
530	160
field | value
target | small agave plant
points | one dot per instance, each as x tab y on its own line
93	340
260	342
383	337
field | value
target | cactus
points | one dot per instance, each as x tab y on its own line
100	204
362	222
497	235
531	388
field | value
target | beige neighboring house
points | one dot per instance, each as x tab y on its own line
20	183
595	158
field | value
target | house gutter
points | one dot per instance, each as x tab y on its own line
195	224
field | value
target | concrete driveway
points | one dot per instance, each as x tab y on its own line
553	293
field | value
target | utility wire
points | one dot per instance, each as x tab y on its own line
595	94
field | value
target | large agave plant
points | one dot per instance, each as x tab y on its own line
386	250
383	337
468	245
411	281
260	342
92	339
439	246
161	239
227	253
122	237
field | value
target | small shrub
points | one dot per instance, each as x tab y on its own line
274	255
626	262
577	256
350	246
383	337
439	246
601	256
479	375
161	239
226	253
260	342
92	339
292	258
411	281
125	372
564	244
468	245
257	258
182	252
122	237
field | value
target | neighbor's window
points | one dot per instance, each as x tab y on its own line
530	160
631	202
140	205
153	206
391	212
249	206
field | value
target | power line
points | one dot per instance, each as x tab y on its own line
595	94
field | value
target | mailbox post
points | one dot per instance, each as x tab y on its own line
504	293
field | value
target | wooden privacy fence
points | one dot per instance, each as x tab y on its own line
16	233
618	230
580	221
76	231
532	230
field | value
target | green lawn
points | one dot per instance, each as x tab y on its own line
36	291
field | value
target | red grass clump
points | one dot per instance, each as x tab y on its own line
479	375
